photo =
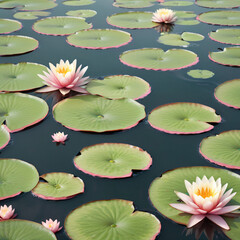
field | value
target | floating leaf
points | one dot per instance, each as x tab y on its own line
111	219
60	25
183	118
84	13
185	14
78	2
99	38
112	160
177	3
172	40
9	25
192	37
133	3
4	136
16	176
30	15
20	110
198	73
186	18
98	114
227	35
58	186
218	4
119	86
186	22
157	59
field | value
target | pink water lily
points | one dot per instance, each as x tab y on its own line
207	198
52	225
59	137
164	15
6	212
64	78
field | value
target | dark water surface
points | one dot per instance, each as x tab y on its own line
168	151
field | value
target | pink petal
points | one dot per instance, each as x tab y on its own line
224	210
184	208
64	91
185	198
225	201
219	221
47	89
195	219
79	89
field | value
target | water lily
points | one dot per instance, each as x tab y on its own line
64	78
52	225
207	198
59	137
164	15
6	212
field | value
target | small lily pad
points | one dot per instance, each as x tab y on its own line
133	3
30	15
227	35
9	26
119	86
192	37
58	186
98	114
4	136
199	73
218	3
112	160
186	18
15	44
172	40
16	177
20	110
99	38
177	3
185	14
187	22
84	13
78	2
157	59
111	219
60	25
183	118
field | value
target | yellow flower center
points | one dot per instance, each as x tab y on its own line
4	212
50	225
164	12
204	192
63	70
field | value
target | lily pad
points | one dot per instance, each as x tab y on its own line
9	26
98	114
227	35
16	44
228	93
78	2
132	20
186	18
30	15
84	13
192	37
60	25
16	177
199	73
218	3
133	3
20	110
120	86
177	3
187	22
99	38
22	230
223	18
229	56
185	14
172	40
111	219
112	160
4	136
157	59
183	118
58	186
21	76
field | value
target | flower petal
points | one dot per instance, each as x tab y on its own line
195	219
47	89
227	209
184	208
218	220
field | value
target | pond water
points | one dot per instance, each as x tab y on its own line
168	151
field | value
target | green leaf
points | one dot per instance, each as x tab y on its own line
9	25
78	2
84	13
198	73
192	37
227	35
133	3
4	136
177	3
218	4
30	15
172	40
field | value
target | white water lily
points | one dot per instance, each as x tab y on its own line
164	15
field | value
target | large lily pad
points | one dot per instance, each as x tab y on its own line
84	13
119	86
60	25
185	14
58	186
186	18
19	110
199	73
9	25
4	136
111	219
24	230
16	44
78	2
21	76
227	35
177	3
218	3
112	160
157	59
132	20
133	3
30	15
98	114
99	38
16	176
183	118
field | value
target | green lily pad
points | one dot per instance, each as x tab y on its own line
172	40
78	2
112	160
16	177
99	38
157	59
177	3
229	56
20	110
183	118
227	35
185	14
132	20
119	86
16	44
20	77
199	73
60	25
30	15
186	18
218	3
9	26
24	230
84	13
186	22
223	18
111	219
228	93
133	3
192	37
58	186
98	114
4	136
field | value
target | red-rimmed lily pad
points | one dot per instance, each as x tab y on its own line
226	35
84	13
58	186
9	25
199	73
119	86
78	2
157	59
16	44
218	3
19	110
98	114
4	136
183	118
60	25
177	3
111	219
16	176
112	160
133	3
30	15
20	77
24	230
99	38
